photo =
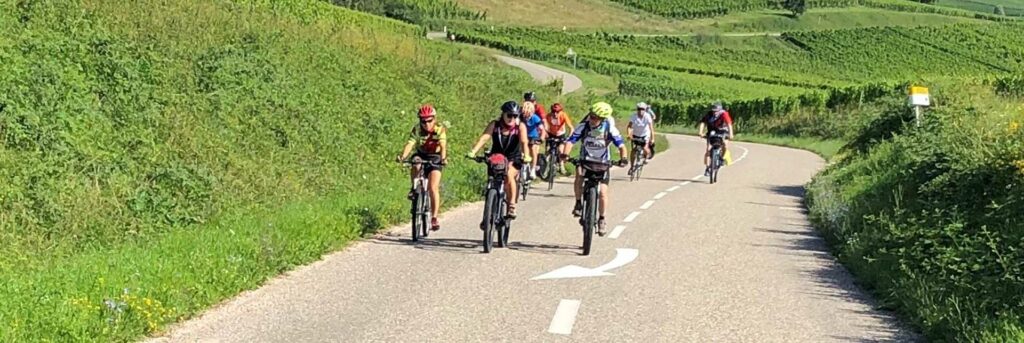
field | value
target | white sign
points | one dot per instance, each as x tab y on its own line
570	52
919	97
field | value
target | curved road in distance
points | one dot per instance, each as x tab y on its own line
733	261
544	75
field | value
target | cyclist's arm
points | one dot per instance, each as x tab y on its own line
568	122
629	129
524	141
728	121
651	140
619	142
408	149
700	130
486	136
443	140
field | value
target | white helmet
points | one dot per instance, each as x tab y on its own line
642	105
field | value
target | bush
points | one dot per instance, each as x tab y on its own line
930	218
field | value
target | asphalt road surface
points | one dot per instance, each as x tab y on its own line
686	262
544	75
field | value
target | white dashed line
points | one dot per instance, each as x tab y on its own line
617	231
647	205
631	217
565	317
660	195
673	189
685	183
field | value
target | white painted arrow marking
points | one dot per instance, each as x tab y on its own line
622	257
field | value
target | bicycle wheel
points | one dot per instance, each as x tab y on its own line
504	224
523	185
552	169
714	165
415	211
488	220
590	205
634	168
425	215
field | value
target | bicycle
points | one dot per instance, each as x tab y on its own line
548	162
717	141
638	158
495	219
420	198
593	174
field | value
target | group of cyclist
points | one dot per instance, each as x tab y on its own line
519	132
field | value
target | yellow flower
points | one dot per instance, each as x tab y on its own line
1014	126
1020	166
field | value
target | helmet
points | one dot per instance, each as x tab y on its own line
530	96
557	107
510	107
427	111
601	109
717	106
642	105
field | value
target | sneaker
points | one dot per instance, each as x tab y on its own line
578	209
561	170
434	225
411	195
707	171
602	229
511	212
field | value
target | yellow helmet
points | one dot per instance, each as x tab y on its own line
601	109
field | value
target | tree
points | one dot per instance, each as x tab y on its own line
1000	10
798	7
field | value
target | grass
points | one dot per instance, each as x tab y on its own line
165	157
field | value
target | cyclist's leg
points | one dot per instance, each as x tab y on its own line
707	154
578	184
435	192
511	192
413	172
534	152
604	199
648	146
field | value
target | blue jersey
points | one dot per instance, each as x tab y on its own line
533	126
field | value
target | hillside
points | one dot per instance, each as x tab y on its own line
159	157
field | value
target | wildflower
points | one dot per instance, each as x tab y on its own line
1020	166
1014	126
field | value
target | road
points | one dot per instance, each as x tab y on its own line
734	261
540	73
544	75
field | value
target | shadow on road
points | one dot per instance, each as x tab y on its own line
545	248
830	279
459	245
796	191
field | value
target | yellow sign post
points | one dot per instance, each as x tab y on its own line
919	97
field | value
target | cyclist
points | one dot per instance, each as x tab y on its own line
508	137
597	134
535	132
641	129
716	121
654	119
532	98
555	124
429	138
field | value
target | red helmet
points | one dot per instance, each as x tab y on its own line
556	107
427	111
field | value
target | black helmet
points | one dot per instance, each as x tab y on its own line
510	107
530	96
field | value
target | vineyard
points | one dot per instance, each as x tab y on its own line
414	11
690	9
807	69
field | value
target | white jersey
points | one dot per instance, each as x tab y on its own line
642	124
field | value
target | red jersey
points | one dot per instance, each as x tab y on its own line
717	121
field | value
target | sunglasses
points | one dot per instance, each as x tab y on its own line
511	115
426	120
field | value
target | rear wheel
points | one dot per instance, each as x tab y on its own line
634	173
589	219
488	221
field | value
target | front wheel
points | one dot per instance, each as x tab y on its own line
425	216
715	154
488	220
552	169
590	219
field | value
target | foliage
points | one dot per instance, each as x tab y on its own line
163	148
797	7
712	8
413	11
930	217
